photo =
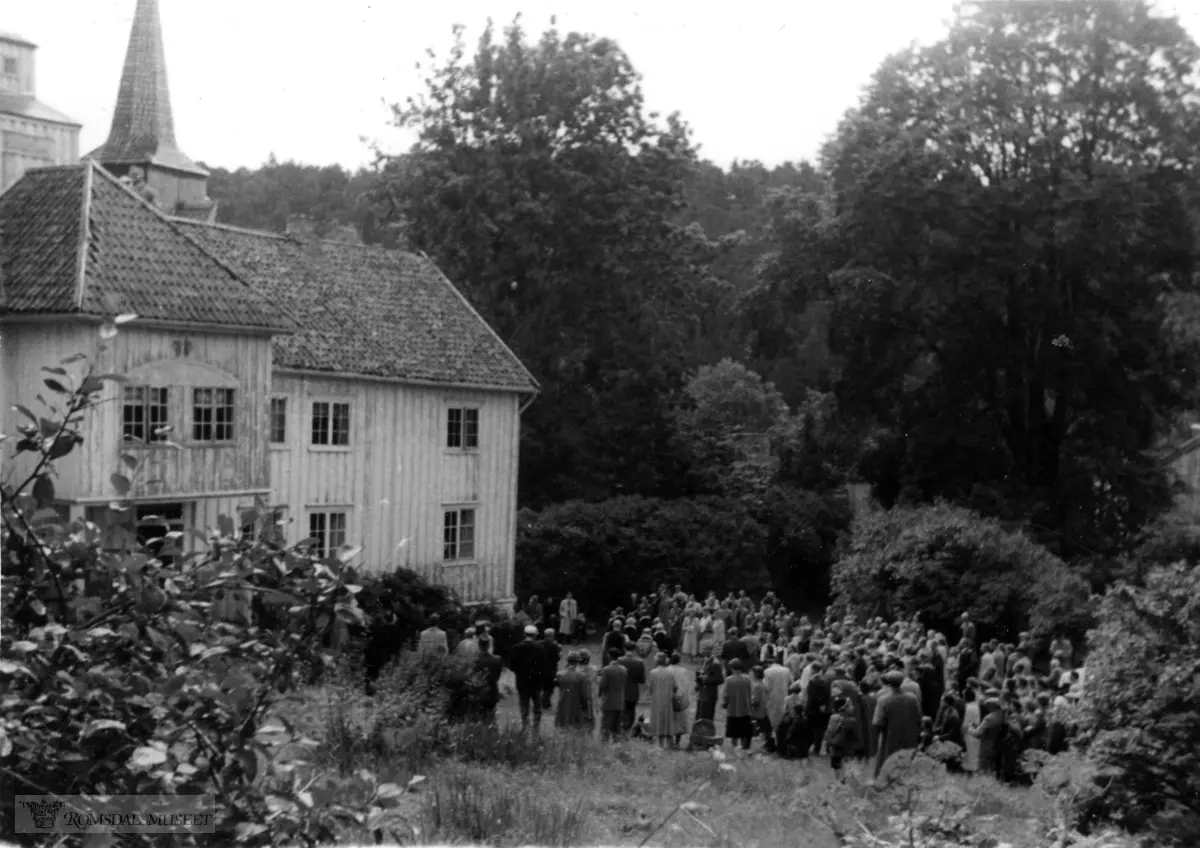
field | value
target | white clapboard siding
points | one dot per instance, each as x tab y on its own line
178	360
396	476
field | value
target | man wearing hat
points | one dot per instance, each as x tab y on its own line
528	663
553	652
897	720
612	696
635	676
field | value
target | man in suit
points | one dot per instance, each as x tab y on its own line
817	698
635	677
613	678
739	726
553	655
734	649
528	663
432	642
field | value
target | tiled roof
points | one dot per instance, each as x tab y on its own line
367	310
134	258
143	128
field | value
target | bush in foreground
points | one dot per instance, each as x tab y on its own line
1141	721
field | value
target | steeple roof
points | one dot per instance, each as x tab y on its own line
143	129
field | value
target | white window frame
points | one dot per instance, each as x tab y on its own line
194	401
146	405
324	516
465	412
457	510
331	404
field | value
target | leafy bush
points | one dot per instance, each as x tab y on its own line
603	551
1140	720
116	679
940	561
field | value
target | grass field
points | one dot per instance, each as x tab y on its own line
554	788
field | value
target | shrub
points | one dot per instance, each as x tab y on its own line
114	676
602	551
941	561
1140	721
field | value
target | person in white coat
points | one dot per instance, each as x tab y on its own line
568	611
778	680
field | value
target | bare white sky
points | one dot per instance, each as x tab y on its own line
308	79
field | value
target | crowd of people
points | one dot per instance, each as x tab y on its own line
842	687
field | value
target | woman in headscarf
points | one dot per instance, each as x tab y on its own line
662	702
683	686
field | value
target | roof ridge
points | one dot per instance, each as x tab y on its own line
446	281
173	226
41	168
217	225
85	237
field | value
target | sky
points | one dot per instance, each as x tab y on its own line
310	81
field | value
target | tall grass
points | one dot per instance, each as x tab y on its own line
476	805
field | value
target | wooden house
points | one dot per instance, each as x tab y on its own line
352	389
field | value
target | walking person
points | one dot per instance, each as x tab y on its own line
432	642
613	679
574	697
898	720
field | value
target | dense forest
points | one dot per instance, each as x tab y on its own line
979	291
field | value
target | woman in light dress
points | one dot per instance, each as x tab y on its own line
691	637
971	720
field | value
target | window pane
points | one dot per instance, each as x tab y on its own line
133	414
341	424
450	536
279	420
316	530
470	428
320	423
337	530
156	415
466	535
454	428
223	415
202	415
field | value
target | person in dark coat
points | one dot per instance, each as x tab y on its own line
635	677
614	639
492	666
574	697
734	649
739	726
898	720
932	686
528	663
613	679
708	688
947	727
816	706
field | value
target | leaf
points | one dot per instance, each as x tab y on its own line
345	553
125	318
48	427
113	378
25	411
10	667
245	831
62	446
144	758
72	358
43	489
121	484
55	386
108	331
279	804
91	385
62	372
100	725
129	460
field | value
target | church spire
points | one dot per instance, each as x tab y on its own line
143	128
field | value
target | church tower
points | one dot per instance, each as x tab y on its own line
143	130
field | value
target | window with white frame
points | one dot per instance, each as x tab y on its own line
212	415
462	427
279	407
144	413
328	530
458	535
330	423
